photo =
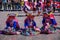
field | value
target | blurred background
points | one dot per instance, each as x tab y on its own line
28	5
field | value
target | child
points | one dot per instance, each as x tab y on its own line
52	18
29	25
29	21
45	15
46	23
12	25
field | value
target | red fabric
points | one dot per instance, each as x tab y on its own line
52	16
13	17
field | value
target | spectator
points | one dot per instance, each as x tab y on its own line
4	2
0	4
34	6
9	4
17	4
53	6
22	4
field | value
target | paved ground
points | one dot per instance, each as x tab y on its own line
3	17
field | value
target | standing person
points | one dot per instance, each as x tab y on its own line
4	2
53	5
17	4
22	4
9	4
0	4
25	8
34	6
12	25
48	6
44	6
13	4
39	7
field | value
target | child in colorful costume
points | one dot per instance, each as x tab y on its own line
29	25
51	20
12	25
46	23
29	21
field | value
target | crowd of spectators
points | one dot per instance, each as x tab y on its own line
21	5
11	4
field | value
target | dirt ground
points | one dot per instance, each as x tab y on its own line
3	17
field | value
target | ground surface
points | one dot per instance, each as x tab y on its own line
3	17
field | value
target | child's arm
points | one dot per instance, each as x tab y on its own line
14	25
7	25
34	24
25	24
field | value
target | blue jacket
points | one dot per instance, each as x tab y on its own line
27	21
14	25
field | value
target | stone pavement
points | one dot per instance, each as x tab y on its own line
3	17
37	37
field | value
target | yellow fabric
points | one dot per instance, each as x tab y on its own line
22	3
50	13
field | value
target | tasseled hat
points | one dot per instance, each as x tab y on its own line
11	14
30	15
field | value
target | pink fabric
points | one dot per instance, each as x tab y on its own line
16	19
52	16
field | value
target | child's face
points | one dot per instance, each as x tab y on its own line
48	4
32	18
11	17
44	15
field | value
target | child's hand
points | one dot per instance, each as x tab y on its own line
26	27
34	27
37	29
48	25
9	28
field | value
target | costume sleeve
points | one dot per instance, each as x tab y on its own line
43	21
25	23
14	25
34	23
7	25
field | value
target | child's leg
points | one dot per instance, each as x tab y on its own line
54	23
43	21
42	28
9	29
